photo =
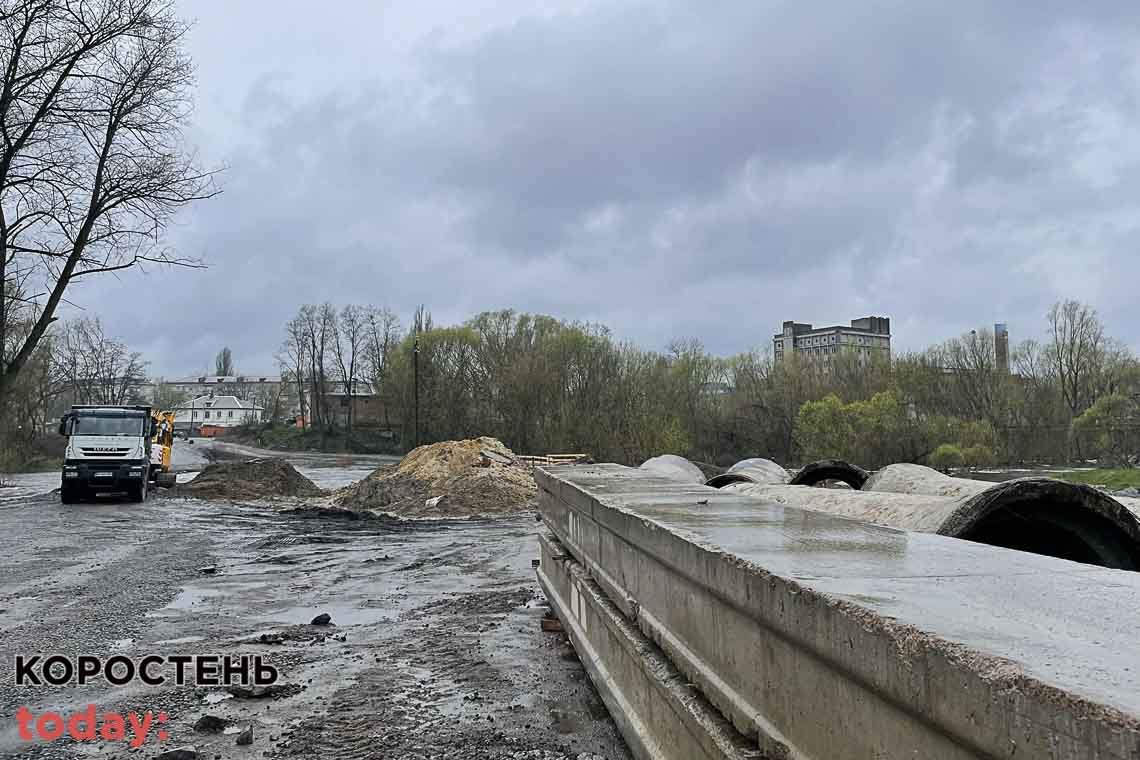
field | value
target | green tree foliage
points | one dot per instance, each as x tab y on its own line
1110	429
875	432
978	456
947	457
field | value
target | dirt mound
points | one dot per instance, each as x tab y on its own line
250	479
480	476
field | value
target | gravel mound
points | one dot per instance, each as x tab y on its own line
250	479
480	476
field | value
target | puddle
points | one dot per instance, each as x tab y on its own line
214	697
183	640
188	597
373	611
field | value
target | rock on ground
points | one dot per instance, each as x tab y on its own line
250	479
480	476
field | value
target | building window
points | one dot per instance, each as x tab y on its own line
205	415
230	414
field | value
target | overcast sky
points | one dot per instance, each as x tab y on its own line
704	169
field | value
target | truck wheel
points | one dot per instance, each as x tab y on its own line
68	494
138	493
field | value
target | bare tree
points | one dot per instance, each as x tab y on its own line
350	345
384	335
93	99
976	388
318	326
1077	353
293	359
90	367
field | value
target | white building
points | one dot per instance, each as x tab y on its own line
220	411
242	386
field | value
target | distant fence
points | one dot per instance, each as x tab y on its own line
541	460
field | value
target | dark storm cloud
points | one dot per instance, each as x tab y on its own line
671	169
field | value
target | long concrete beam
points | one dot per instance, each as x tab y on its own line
822	637
661	715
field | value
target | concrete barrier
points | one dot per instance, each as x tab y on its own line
661	715
821	637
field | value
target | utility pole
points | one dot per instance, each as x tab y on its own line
416	383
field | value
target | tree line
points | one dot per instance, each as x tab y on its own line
547	385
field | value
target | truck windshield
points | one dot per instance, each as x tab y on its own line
118	426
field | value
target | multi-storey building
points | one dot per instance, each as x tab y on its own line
866	338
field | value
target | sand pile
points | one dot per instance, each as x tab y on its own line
480	476
250	479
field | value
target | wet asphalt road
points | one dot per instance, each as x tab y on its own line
442	653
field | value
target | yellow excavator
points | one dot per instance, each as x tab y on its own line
161	449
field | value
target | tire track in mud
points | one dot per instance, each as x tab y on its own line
442	689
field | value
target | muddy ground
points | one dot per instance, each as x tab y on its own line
436	652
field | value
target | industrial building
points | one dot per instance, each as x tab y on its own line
867	337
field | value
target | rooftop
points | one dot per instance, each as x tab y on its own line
219	379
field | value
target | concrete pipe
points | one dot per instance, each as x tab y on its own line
831	469
675	468
925	514
1131	504
1038	515
754	470
917	479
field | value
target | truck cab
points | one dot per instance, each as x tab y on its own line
108	450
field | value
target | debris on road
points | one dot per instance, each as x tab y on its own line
273	690
249	479
180	753
479	476
322	619
245	737
211	724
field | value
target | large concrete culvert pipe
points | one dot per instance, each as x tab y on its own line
1040	515
756	470
674	467
831	469
1034	515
